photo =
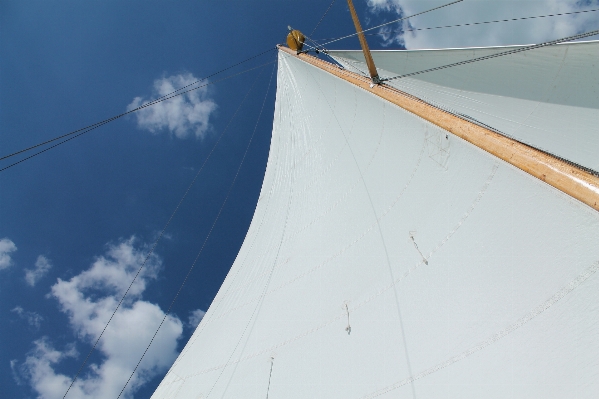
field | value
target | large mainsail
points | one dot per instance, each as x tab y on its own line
390	258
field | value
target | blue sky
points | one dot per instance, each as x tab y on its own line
77	221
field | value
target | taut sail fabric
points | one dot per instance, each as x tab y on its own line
547	97
388	258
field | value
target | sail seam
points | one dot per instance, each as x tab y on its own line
378	292
341	315
579	280
344	249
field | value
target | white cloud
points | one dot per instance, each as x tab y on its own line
183	115
42	266
195	316
504	33
6	247
14	371
89	299
32	318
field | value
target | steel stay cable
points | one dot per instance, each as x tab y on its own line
159	99
471	23
513	51
158	239
484	22
145	105
321	18
211	228
392	22
264	290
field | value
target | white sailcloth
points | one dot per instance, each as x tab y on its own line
388	258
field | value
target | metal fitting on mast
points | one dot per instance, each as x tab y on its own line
295	39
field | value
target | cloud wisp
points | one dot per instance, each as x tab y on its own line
33	319
195	317
88	299
6	248
184	115
42	267
528	31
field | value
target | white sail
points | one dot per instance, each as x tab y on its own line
388	258
547	97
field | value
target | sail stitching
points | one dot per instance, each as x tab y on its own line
334	160
380	291
344	249
496	337
372	207
339	316
340	200
352	187
469	211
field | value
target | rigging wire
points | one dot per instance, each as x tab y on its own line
471	23
392	22
513	51
156	101
485	22
264	290
321	18
211	228
158	240
164	98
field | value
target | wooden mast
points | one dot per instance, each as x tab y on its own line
374	75
556	172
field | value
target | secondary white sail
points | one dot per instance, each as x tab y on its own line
547	97
388	258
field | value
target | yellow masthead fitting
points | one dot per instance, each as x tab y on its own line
295	39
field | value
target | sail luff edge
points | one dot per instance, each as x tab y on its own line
558	173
